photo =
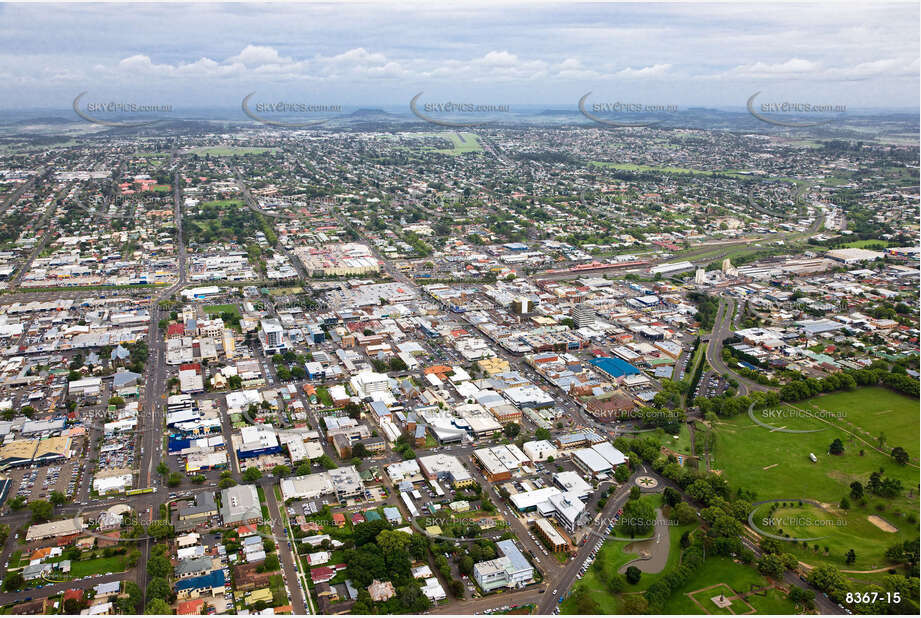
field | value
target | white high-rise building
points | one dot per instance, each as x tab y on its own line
583	315
272	336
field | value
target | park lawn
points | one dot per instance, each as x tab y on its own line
776	465
870	412
839	531
772	602
635	167
324	397
612	553
223	203
229	151
461	142
161	188
97	566
218	309
683	443
704	598
717	570
868	243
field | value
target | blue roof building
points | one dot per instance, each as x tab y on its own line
614	367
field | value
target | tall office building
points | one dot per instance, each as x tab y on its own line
583	315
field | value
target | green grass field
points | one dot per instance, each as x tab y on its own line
736	577
839	531
469	143
704	597
634	167
211	309
867	244
776	465
97	566
870	412
222	203
229	151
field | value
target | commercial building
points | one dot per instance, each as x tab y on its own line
343	483
445	467
511	570
553	538
240	505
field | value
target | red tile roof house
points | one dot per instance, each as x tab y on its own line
175	330
339	519
325	573
358	518
190	608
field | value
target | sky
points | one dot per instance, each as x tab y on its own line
382	54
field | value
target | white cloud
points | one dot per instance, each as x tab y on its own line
258	55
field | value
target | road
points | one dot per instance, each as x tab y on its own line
292	581
723	329
151	422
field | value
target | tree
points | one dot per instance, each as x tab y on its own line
801	596
511	430
158	607
158	588
856	490
159	566
638	517
850	557
771	565
58	498
13	581
845	503
227	482
251	475
360	450
271	563
281	471
684	513
73	606
900	455
671	496
42	511
635	493
826	578
542	434
837	447
174	479
633	575
162	468
159	529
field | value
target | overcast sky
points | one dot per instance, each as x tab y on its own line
373	54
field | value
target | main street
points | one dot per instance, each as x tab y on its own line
151	422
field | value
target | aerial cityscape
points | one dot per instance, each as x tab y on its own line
492	308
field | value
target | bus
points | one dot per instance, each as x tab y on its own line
145	490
